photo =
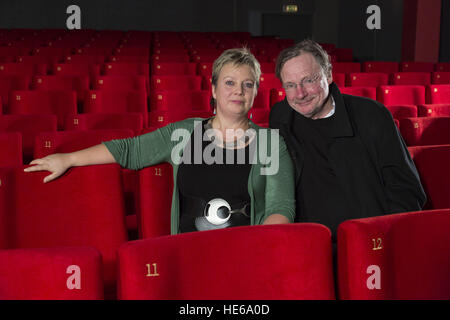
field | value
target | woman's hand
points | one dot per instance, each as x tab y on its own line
57	164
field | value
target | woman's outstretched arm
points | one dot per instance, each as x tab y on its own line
58	163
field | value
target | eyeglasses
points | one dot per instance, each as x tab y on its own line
306	83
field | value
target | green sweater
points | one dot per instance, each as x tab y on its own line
269	193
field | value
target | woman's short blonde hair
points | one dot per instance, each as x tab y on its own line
238	57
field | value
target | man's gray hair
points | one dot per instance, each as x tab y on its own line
305	46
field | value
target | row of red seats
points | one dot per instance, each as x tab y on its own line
390	67
377	258
375	79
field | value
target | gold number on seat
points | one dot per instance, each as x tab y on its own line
377	244
149	270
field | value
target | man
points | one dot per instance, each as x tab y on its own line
350	159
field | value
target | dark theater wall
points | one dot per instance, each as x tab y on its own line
444	53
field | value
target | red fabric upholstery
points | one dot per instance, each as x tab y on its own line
262	99
22	69
11	149
405	111
9	83
257	262
411	250
95	121
204	69
276	95
180	100
399	95
433	110
58	102
367	92
159	119
440	78
51	274
442	66
86	59
155	200
424	131
269	81
343	54
259	116
69	141
266	67
380	66
114	101
6	183
29	126
438	93
181	83
126	69
84	207
346	67
411	78
373	79
76	69
120	83
80	84
174	68
414	66
432	164
339	79
170	58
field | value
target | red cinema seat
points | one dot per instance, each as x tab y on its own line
180	100
57	102
120	83
438	93
262	99
411	78
440	78
126	69
7	54
380	66
132	51
266	67
433	110
169	58
23	69
29	126
365	79
96	121
158	119
69	141
6	181
84	207
367	92
415	66
11	147
205	58
155	200
204	69
180	83
276	95
85	59
76	69
70	273
174	68
398	256
114	101
432	164
400	95
79	84
425	131
346	67
442	66
269	81
405	111
10	83
199	271
259	116
134	59
339	79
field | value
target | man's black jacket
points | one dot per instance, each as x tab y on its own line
368	156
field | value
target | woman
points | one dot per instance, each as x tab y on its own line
219	175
